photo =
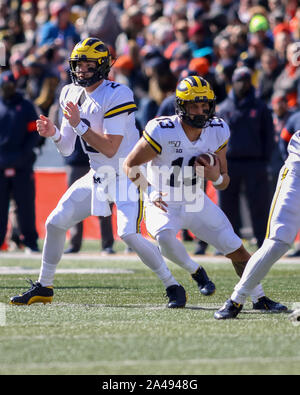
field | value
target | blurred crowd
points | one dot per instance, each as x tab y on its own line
155	43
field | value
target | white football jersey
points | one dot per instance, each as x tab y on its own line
173	166
109	109
293	160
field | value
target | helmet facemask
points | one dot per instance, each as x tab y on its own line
196	121
98	74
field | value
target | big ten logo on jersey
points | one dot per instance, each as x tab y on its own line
176	145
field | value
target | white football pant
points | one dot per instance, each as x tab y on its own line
283	225
75	206
210	225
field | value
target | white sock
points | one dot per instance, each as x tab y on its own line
151	257
52	252
175	251
257	293
257	268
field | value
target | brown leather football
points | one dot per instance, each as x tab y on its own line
208	157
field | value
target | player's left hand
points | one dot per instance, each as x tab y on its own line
157	199
211	173
71	112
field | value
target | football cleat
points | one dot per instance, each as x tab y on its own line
267	304
205	285
177	296
229	310
36	294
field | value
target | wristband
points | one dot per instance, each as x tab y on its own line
81	128
154	195
219	180
57	136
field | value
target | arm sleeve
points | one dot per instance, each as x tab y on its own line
153	136
67	142
119	107
223	136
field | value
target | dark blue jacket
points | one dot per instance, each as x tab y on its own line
18	134
251	126
167	106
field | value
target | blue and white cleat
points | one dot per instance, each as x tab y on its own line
266	304
228	311
177	297
36	294
205	285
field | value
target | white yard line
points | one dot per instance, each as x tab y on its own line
96	257
23	270
160	362
121	257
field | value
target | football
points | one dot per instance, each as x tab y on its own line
207	157
295	317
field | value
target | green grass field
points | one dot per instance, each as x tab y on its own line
114	321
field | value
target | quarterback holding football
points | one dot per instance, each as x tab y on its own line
192	138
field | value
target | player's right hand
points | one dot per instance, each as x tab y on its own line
157	199
45	127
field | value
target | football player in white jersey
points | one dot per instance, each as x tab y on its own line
101	113
170	146
282	228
